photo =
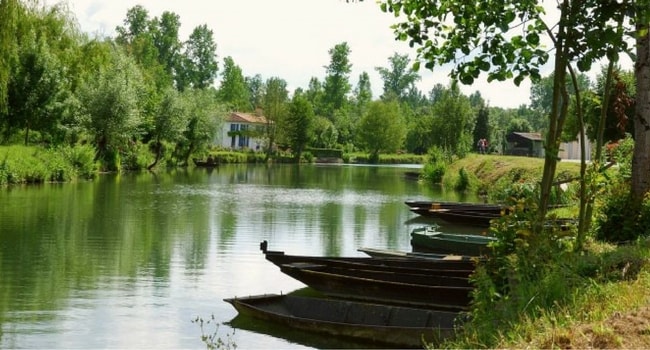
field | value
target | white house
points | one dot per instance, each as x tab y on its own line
243	130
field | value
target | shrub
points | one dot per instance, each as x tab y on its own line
436	166
462	183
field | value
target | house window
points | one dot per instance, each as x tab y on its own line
243	139
233	138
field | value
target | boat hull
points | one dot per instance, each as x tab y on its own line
427	240
377	290
379	324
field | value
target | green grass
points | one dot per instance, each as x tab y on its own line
33	164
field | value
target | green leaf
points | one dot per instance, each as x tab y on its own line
533	39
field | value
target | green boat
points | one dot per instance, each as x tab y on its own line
429	239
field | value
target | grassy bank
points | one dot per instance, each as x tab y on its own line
32	164
538	291
494	175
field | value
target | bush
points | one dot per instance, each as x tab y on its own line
82	160
462	183
620	220
436	166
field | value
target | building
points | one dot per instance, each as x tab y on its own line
528	144
531	144
243	131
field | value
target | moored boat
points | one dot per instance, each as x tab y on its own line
348	286
463	206
463	217
389	325
397	264
209	163
429	239
392	253
453	278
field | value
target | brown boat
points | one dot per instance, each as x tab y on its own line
386	325
417	293
394	264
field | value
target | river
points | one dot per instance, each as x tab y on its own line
129	260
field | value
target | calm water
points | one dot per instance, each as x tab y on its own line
127	261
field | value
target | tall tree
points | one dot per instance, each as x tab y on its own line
111	106
316	95
482	125
169	123
165	39
255	86
453	122
337	84
362	94
10	11
299	124
382	128
205	114
275	100
233	89
399	78
199	65
641	155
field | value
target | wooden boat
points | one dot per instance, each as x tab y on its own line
387	253
386	325
347	286
469	217
396	264
205	163
428	277
428	239
462	206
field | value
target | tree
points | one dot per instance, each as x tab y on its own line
36	89
399	78
169	123
299	124
199	60
10	11
275	108
641	155
452	123
482	125
382	128
337	84
233	89
316	95
164	32
255	86
111	106
362	93
205	115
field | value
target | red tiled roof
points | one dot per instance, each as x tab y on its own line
238	117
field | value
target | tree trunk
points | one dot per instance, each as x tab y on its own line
158	153
556	123
641	156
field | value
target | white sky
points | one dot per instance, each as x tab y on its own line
290	39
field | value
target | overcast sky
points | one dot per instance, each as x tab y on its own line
290	39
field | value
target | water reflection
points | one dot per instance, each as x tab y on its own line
140	255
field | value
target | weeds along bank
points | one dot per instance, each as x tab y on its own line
29	164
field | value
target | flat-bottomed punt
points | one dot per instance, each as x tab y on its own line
394	326
417	292
395	264
428	239
392	253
